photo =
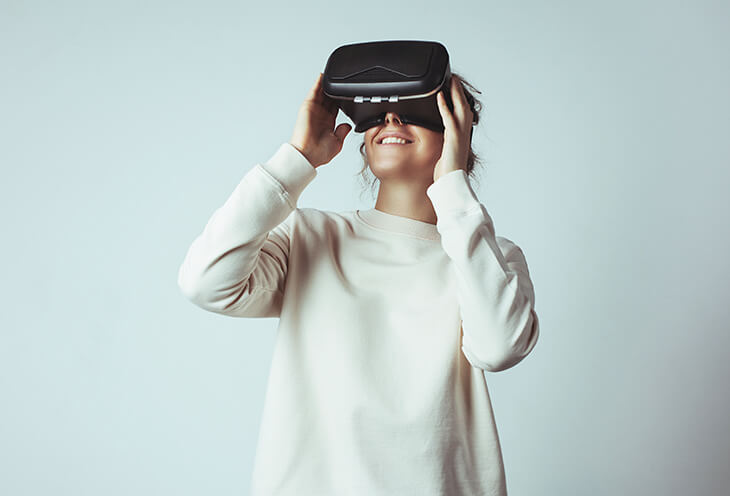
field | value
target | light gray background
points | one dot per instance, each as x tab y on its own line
124	125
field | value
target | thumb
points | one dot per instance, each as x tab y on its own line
342	131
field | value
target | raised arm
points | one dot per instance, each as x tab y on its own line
494	289
237	266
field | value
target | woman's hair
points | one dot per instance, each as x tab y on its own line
474	104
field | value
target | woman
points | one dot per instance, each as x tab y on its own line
388	317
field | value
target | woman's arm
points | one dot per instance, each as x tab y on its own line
237	265
494	290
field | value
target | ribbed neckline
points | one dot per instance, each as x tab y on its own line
395	223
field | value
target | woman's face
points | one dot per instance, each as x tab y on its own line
411	161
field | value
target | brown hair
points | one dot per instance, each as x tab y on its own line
474	104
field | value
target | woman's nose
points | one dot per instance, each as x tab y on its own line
392	117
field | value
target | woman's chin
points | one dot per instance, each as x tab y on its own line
390	163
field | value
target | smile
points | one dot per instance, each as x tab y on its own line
394	141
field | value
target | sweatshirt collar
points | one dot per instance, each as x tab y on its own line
395	223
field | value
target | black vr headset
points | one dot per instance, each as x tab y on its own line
366	80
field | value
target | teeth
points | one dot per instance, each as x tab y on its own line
393	140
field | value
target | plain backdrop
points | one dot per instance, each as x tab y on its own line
125	124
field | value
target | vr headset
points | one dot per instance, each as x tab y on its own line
366	80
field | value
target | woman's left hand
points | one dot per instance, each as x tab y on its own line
457	132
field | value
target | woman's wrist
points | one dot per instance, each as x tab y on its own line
304	152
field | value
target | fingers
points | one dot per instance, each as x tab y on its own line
342	131
461	106
315	92
316	95
446	114
461	118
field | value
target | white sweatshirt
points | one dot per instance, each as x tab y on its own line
373	390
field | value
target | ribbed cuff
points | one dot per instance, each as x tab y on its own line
292	169
452	192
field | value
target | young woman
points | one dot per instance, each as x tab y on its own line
388	317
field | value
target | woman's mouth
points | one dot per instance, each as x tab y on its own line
395	141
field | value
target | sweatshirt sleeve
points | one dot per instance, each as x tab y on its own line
494	290
237	266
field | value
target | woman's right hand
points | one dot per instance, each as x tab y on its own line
313	133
